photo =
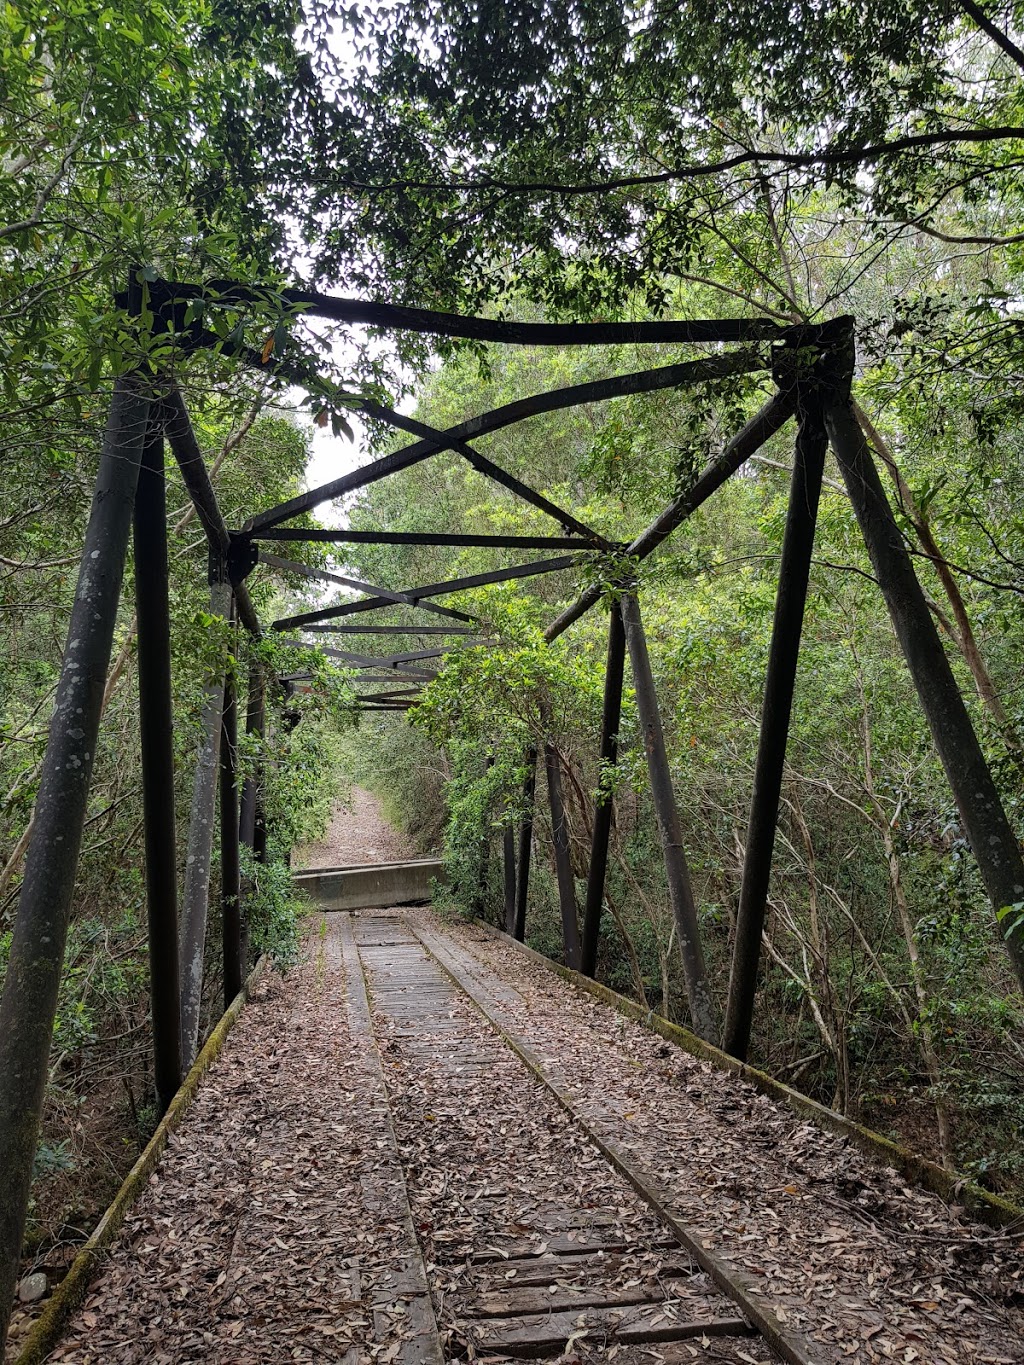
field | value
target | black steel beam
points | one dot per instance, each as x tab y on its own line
400	694
397	675
992	837
771	418
182	440
326	576
646	381
392	630
156	734
478	580
360	312
610	720
369	660
29	1002
371	604
492	471
455	540
790	599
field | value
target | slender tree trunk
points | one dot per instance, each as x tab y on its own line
964	636
525	848
230	877
563	859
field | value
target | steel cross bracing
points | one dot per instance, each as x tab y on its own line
812	368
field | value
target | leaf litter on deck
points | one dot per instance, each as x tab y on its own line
869	1268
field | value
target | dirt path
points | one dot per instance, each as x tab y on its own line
358	833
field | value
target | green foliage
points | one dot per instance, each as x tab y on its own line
274	909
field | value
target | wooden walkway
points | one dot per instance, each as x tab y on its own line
421	1147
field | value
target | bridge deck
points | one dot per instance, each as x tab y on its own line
398	1157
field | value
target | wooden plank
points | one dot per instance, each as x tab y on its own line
545	1270
514	1248
555	1298
411	1322
547	1333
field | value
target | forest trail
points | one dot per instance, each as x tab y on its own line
372	1172
359	833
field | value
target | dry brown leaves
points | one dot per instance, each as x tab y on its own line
865	1266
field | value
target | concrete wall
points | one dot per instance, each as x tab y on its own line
375	885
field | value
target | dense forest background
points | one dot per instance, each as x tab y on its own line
547	161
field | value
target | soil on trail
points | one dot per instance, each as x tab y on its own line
358	833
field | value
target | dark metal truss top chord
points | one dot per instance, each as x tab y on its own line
165	294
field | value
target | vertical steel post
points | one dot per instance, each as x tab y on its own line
250	801
230	882
156	731
563	860
605	806
780	681
508	844
684	909
195	900
255	720
29	1002
525	846
991	836
480	890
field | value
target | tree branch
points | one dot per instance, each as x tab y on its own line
825	156
1001	39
